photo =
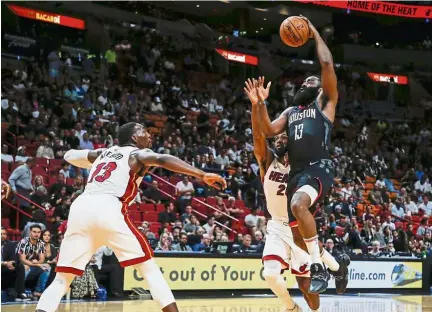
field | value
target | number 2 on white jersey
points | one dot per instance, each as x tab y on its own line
298	132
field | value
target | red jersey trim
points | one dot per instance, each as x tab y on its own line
131	188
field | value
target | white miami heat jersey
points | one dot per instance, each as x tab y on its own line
275	184
112	175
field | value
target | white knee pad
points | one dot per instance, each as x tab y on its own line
272	269
312	192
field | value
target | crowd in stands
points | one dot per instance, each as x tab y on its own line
379	204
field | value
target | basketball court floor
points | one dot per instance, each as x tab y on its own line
346	303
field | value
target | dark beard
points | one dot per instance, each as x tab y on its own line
305	96
281	151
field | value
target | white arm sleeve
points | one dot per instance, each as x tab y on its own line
78	158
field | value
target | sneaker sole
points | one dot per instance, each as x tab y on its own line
346	261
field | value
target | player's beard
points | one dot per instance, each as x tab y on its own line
281	151
305	96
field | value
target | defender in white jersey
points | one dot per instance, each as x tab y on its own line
100	215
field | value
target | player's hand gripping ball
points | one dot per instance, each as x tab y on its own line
294	31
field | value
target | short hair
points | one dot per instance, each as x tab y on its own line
176	227
35	226
125	133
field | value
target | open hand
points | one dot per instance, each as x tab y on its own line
263	93
215	181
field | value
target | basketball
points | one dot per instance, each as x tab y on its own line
294	31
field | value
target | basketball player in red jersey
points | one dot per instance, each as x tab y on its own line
100	215
308	126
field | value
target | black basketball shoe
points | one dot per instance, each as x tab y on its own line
341	275
319	278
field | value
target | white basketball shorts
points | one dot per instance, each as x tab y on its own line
280	246
95	221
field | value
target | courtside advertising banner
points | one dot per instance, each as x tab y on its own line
241	274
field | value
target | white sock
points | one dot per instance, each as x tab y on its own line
329	261
313	249
159	288
276	282
50	299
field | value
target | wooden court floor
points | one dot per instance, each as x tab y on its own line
346	303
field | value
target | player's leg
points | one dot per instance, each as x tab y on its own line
299	207
326	258
310	188
50	299
159	288
273	277
132	248
75	252
313	300
275	256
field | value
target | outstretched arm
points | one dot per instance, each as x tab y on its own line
261	150
175	164
328	75
82	158
269	128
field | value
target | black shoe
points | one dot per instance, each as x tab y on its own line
115	294
22	297
341	275
319	278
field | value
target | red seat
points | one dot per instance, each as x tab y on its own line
135	216
239	204
56	163
52	180
211	201
22	142
203	209
134	207
398	225
151	217
70	181
167	188
175	180
147	207
5	176
43	162
5	167
39	171
415	219
160	207
5	222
